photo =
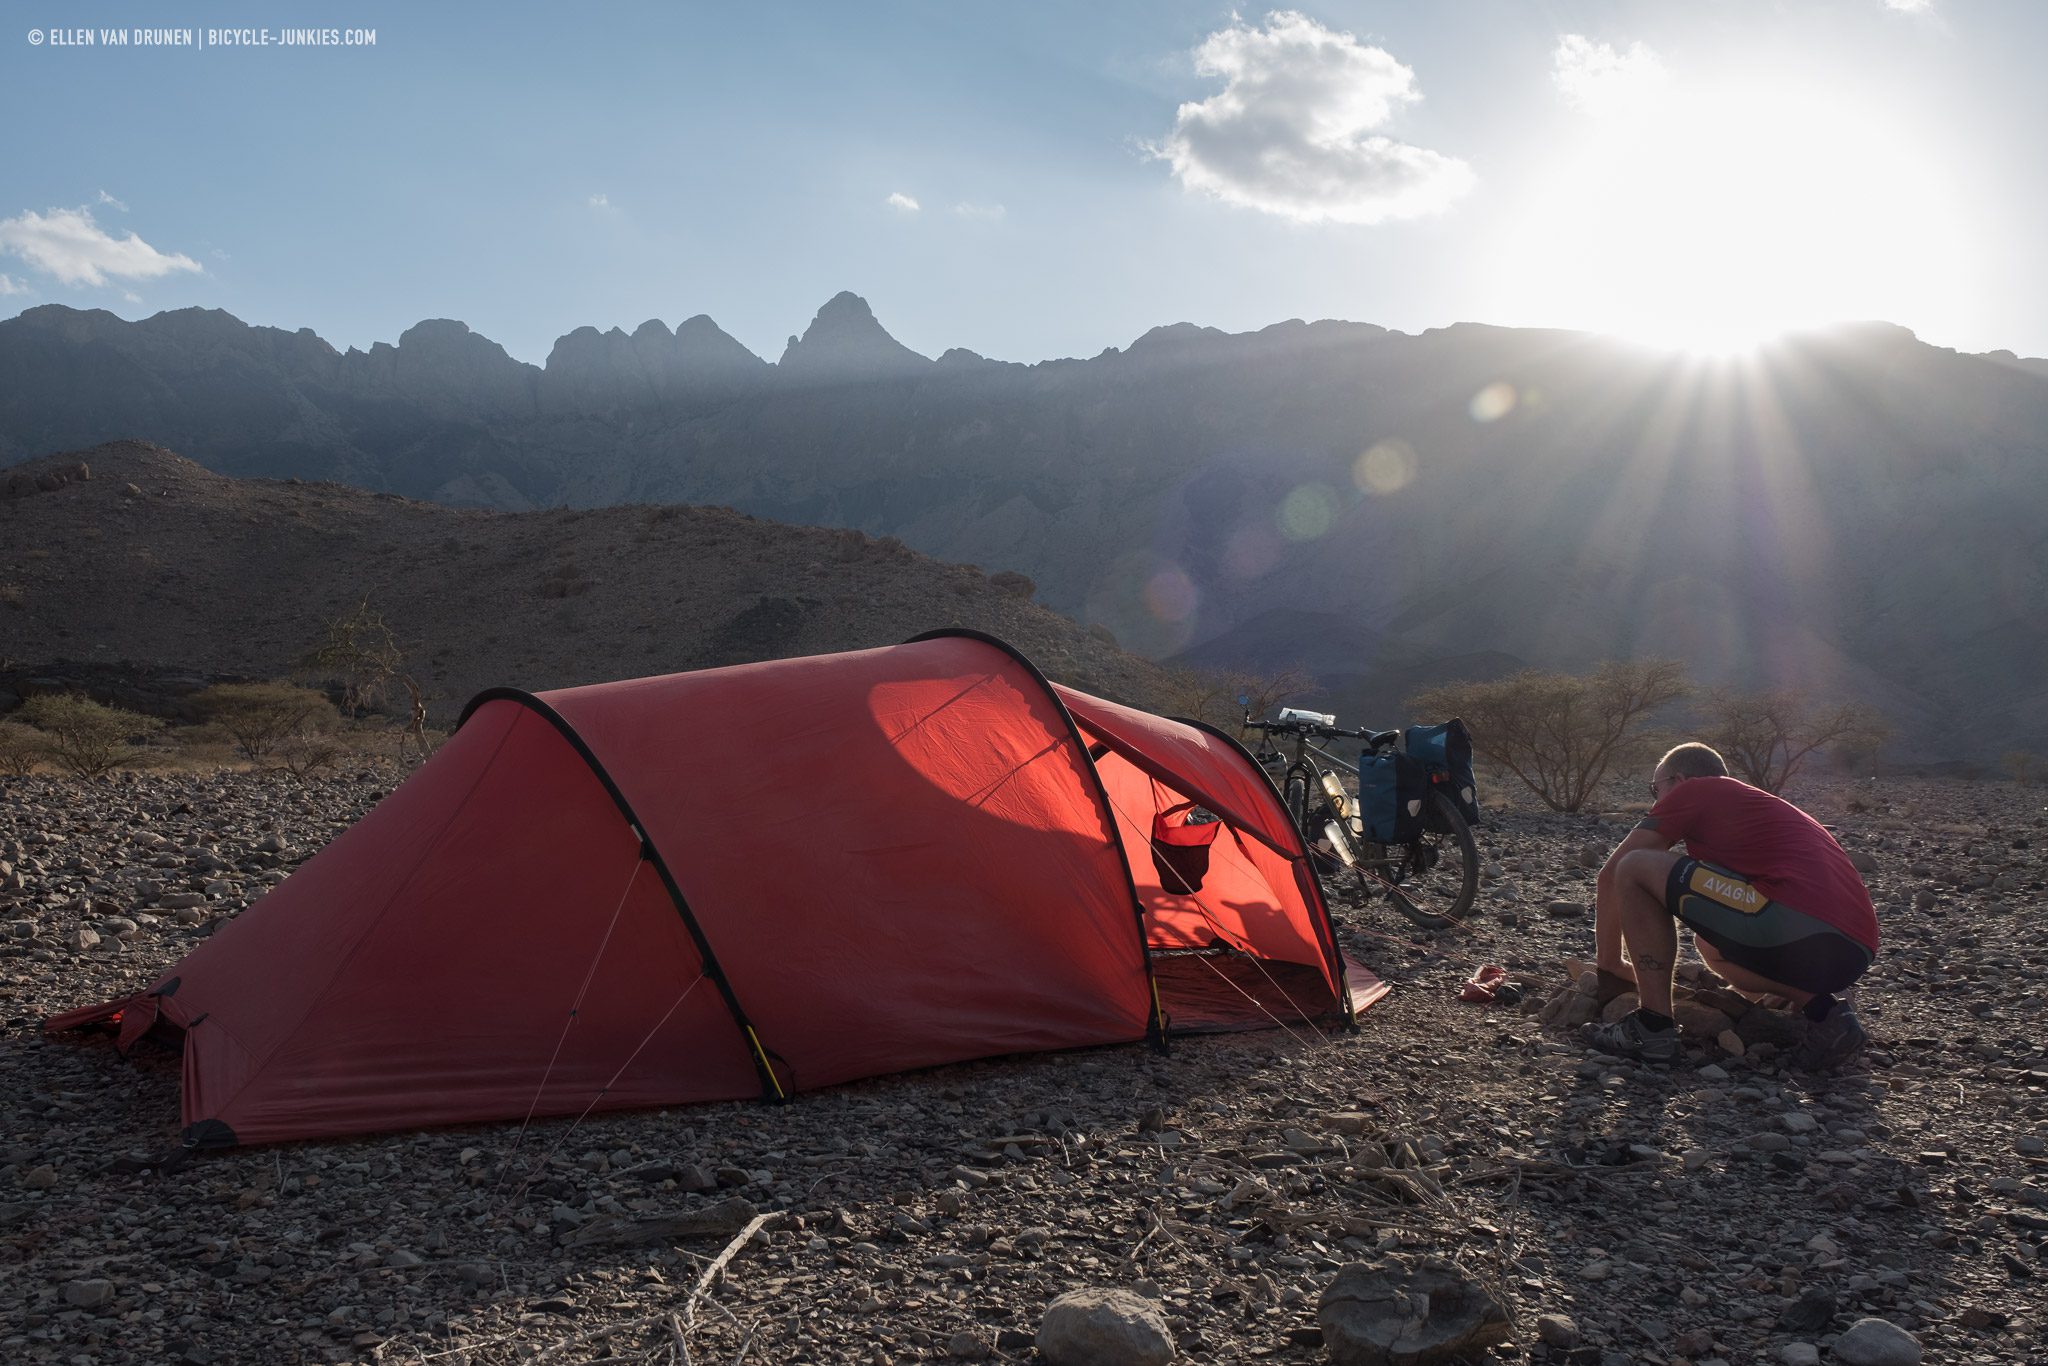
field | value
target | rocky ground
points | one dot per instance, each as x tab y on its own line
1727	1209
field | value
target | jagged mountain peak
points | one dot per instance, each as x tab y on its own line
845	341
701	329
1178	334
445	333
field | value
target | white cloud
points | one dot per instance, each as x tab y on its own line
899	200
110	201
131	296
990	212
68	244
1291	131
1601	78
1911	6
10	285
601	202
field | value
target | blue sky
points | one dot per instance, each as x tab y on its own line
1696	172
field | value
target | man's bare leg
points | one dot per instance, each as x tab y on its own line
1616	976
1645	925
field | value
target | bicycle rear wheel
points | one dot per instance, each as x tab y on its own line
1435	880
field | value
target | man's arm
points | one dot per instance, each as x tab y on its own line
1644	836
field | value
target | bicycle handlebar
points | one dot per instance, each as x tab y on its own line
1316	728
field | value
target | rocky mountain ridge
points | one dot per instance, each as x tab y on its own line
1852	512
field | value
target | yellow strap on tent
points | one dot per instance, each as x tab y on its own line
767	1067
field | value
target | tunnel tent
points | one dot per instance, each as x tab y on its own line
750	881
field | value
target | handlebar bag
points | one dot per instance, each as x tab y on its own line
1180	847
1391	788
1445	750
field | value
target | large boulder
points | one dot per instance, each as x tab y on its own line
1104	1328
1403	1311
1700	1021
1876	1342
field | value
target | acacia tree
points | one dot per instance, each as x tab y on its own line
360	652
82	736
261	718
1767	736
20	748
2021	764
1560	733
1211	694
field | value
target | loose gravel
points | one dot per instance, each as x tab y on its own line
1727	1209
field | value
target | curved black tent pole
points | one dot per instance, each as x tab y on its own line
771	1085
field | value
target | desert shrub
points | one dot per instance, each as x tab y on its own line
83	737
1767	736
261	717
1011	582
308	751
2021	764
1211	694
1560	734
21	748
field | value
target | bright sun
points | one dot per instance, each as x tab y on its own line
1711	220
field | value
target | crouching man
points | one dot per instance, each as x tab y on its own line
1795	920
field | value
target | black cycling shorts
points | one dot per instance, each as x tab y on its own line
1771	939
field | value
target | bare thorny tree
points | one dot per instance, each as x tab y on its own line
361	653
1767	736
1212	695
1561	733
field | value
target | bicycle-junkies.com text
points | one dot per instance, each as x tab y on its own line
203	38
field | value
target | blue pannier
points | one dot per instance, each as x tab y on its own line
1445	750
1391	789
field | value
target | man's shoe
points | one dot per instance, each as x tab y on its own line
1830	1043
1629	1037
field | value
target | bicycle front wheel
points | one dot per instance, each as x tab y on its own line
1435	879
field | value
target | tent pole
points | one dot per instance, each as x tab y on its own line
771	1085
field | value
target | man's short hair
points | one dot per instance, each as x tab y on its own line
1694	760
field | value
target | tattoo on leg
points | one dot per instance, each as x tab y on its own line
1651	965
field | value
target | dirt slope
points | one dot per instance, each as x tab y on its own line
155	560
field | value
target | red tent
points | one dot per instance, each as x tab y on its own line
750	881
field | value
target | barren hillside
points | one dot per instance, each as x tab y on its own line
154	560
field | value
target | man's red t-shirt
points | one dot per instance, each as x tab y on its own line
1783	851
